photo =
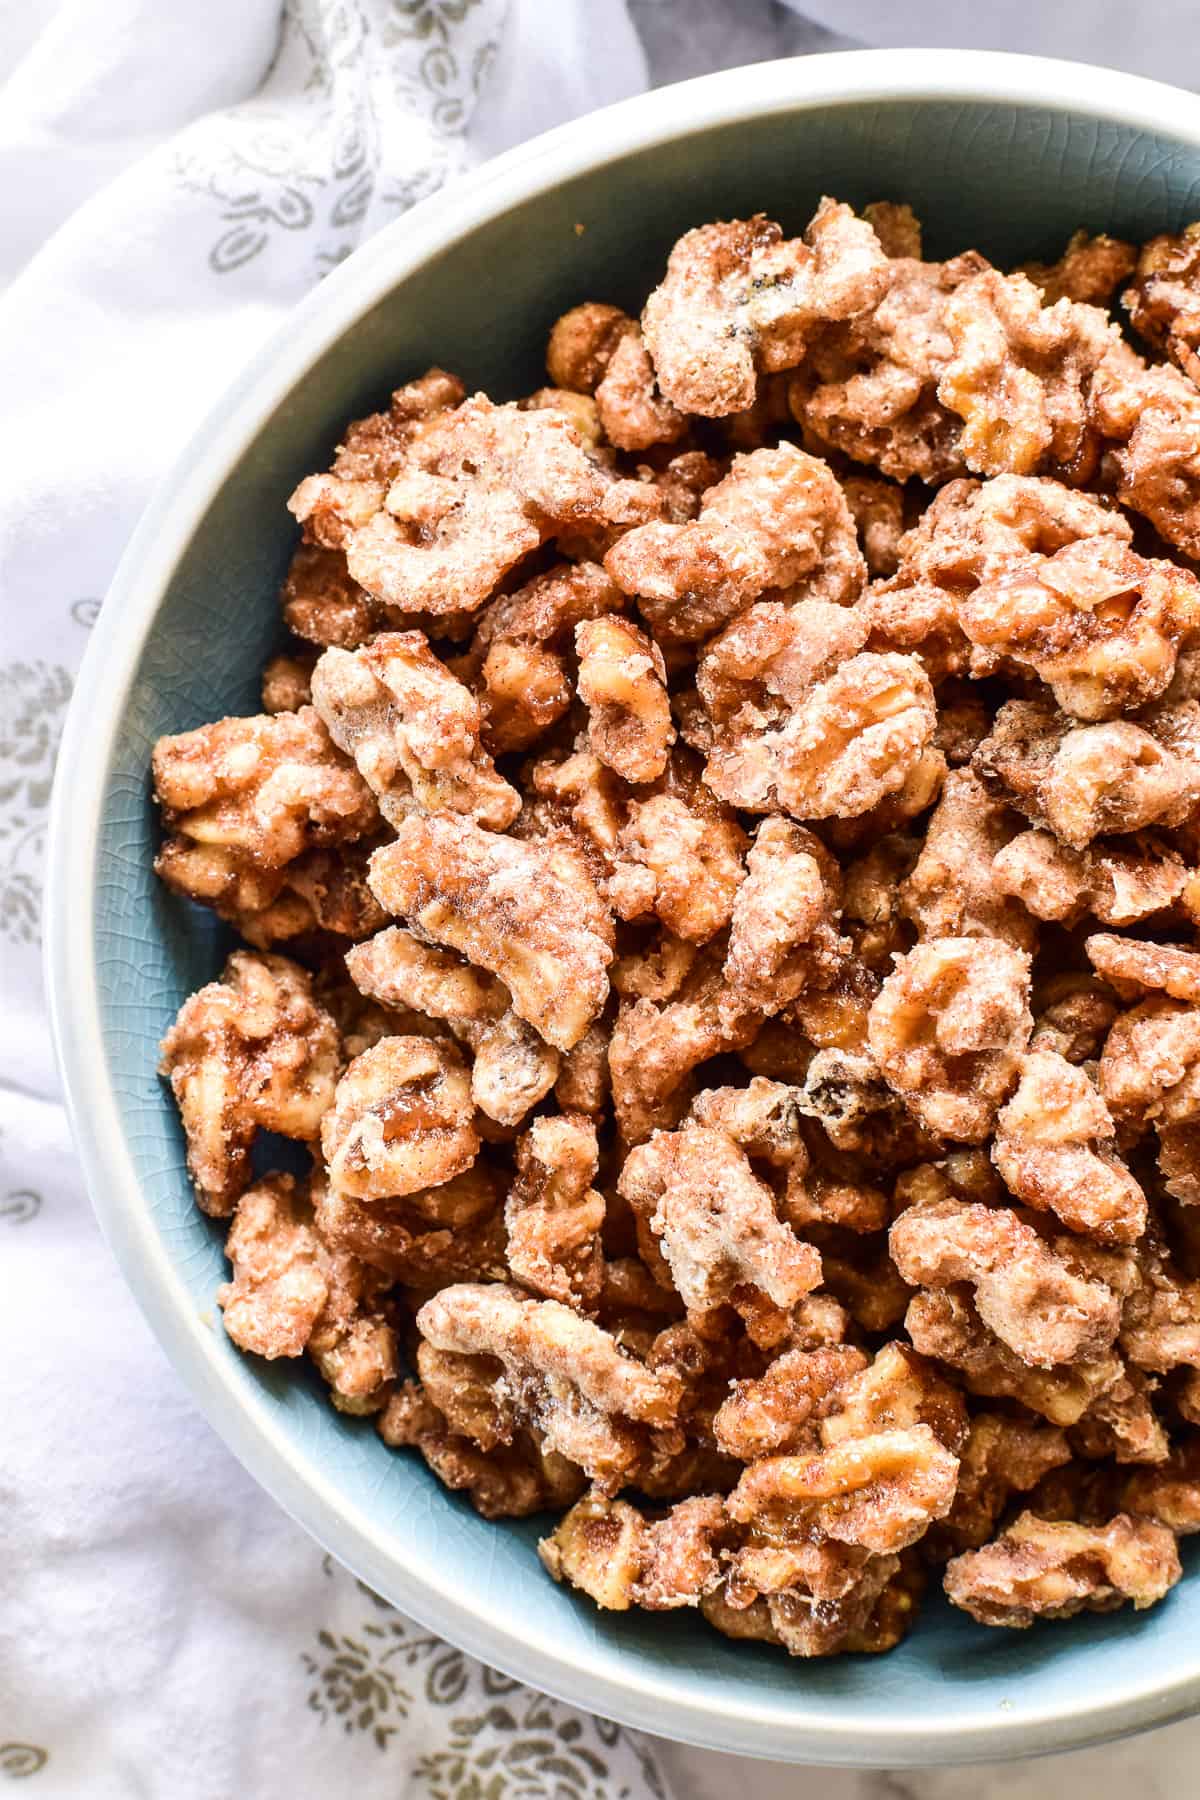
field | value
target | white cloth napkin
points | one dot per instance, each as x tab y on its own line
175	174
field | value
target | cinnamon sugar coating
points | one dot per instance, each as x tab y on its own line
470	495
778	519
249	1052
565	1376
530	915
412	729
1086	781
553	1213
1039	1569
1090	269
948	1030
1055	1147
738	298
1163	299
735	812
718	1229
401	1120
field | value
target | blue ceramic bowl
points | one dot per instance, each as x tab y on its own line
1009	154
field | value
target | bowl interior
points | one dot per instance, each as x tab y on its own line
1012	180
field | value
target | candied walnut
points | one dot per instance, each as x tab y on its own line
953	890
654	1048
618	1558
527	690
948	1029
622	682
508	1482
322	604
1099	624
656	970
319	890
528	913
783	933
971	534
694	1191
554	1214
1025	1292
352	1343
896	226
1043	1569
469	496
412	729
879	1491
845	1093
401	1120
251	1051
520	646
871	899
943	1323
580	410
835	1018
1085	781
853	738
763	1118
633	414
583	1083
1055	1147
392	1234
814	1197
858	1271
1020	373
1122	1424
738	298
291	1292
1163	299
872	1616
263	789
278	1287
973	530
1150	419
1169	1493
778	519
877	508
1001	1457
682	860
1072	1016
287	683
895	1392
390	1237
1090	270
1150	1074
917	618
512	1069
963	722
1120	883
778	1411
563	1376
1160	1326
760	667
1134	968
869	387
581	345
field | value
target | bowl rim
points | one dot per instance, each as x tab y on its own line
246	1423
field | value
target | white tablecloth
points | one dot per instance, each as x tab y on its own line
175	173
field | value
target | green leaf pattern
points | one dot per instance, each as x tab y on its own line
500	1741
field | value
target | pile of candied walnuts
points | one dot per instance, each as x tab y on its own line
734	818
